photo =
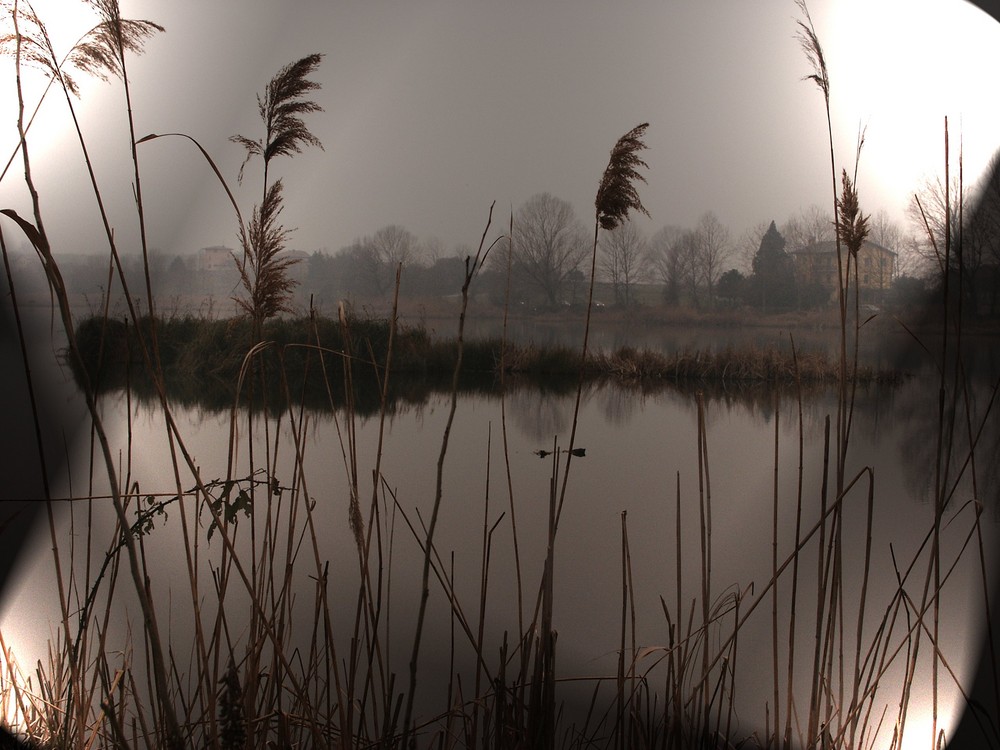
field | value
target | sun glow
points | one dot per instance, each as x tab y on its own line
900	67
920	727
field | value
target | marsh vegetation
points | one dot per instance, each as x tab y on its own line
290	579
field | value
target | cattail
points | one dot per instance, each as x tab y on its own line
617	194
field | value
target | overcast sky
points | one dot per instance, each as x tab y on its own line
434	109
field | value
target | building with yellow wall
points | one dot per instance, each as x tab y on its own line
817	263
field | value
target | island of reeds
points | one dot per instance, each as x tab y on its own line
202	359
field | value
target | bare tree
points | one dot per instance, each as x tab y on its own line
810	226
686	250
665	261
974	245
624	261
394	245
882	230
984	218
549	245
432	249
374	258
928	217
713	250
747	245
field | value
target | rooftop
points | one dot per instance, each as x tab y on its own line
830	246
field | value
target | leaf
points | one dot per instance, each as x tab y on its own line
211	163
645	651
33	235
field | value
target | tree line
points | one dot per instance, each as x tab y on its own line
703	267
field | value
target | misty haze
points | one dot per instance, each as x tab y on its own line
538	376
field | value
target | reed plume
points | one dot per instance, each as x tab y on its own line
91	54
99	52
617	194
281	109
813	50
852	225
96	53
266	279
263	270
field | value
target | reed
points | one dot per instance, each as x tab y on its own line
276	664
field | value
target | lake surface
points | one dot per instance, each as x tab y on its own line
641	468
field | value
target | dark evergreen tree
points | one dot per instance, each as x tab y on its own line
773	280
731	289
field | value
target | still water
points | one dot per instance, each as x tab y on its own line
640	470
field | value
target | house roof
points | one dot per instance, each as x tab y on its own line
829	247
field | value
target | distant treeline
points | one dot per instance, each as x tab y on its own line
771	268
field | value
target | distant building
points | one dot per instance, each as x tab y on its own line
817	263
215	258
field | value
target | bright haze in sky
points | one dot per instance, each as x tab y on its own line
435	109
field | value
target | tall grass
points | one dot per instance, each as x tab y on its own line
274	663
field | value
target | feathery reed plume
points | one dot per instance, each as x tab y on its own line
266	280
96	52
281	109
90	54
853	225
813	51
617	194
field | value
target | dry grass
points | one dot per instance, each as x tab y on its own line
272	666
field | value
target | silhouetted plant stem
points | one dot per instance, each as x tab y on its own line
37	235
503	427
617	195
774	572
790	692
472	266
705	521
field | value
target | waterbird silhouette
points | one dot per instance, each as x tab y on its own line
578	452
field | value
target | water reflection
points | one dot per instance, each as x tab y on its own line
642	457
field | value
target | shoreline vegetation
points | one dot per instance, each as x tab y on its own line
281	656
202	359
